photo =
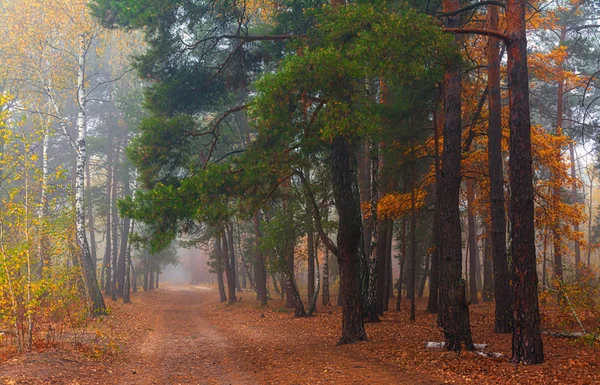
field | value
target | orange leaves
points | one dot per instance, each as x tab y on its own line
397	205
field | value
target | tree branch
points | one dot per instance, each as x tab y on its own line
479	31
317	215
472	6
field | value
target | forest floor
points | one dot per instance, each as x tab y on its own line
183	335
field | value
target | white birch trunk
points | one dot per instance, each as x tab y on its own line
94	297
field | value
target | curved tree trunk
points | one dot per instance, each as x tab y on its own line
347	202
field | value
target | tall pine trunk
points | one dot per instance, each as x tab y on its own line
454	310
432	302
503	320
527	344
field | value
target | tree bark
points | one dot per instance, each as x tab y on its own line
150	273
128	272
219	270
413	237
325	295
146	269
90	211
473	251
401	263
454	314
310	264
527	341
114	229
503	321
122	263
260	272
229	272
293	294
347	202
432	302
575	199
376	267
488	278
106	262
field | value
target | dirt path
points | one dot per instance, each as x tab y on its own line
181	347
183	335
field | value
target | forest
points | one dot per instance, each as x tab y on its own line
299	191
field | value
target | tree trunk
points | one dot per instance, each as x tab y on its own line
325	295
289	263
114	228
128	272
122	263
312	304
347	202
424	275
473	252
231	298
293	293
150	273
432	302
575	199
527	341
590	208
413	238
454	315
310	265
376	267
384	247
219	269
93	295
502	291
106	262
488	278
90	211
133	276
146	269
401	263
260	272
44	257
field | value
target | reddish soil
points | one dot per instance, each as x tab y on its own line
183	335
